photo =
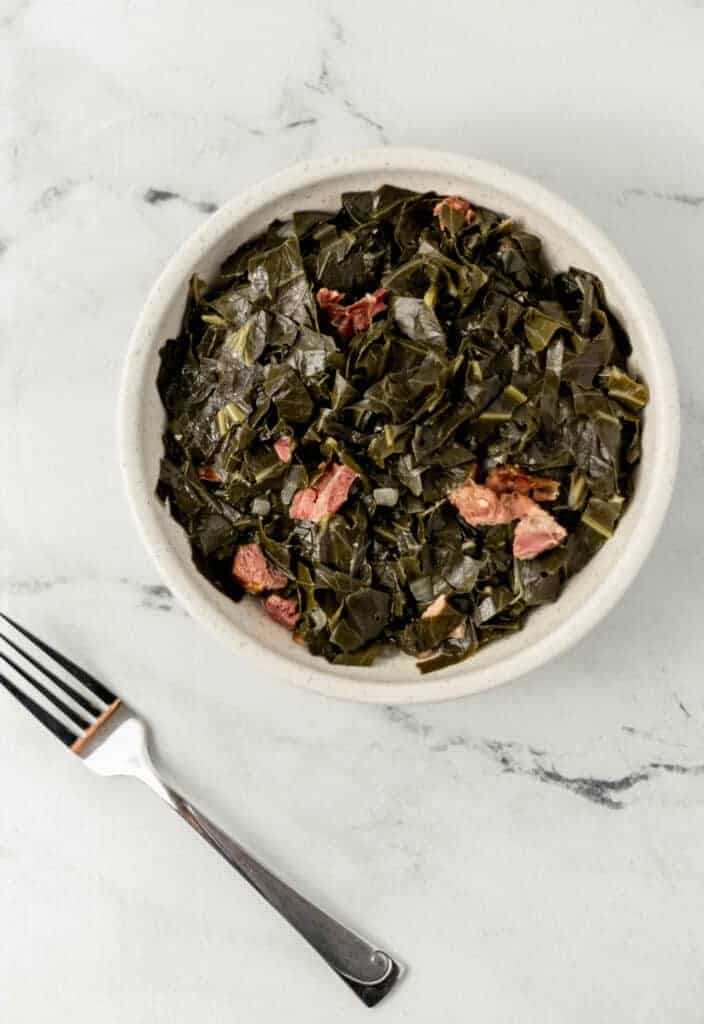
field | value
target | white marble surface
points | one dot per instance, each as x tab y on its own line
533	854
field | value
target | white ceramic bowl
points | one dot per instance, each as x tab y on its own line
569	239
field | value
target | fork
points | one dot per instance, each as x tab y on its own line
111	740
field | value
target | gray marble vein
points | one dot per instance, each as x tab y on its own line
31	587
157	196
329	82
14	12
694	199
359	115
51	195
521	759
154	596
302	122
157	597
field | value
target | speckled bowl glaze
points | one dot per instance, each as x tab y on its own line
569	239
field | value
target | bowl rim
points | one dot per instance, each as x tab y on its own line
146	510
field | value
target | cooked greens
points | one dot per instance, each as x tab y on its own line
398	424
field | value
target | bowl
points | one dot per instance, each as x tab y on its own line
569	239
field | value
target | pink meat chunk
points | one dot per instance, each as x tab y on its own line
328	297
480	506
209	474
284	448
537	530
326	496
349	320
283	610
505	479
536	533
454	203
253	572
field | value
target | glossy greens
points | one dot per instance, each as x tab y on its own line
419	342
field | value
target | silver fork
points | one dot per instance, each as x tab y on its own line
111	740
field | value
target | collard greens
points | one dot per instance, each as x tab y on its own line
346	372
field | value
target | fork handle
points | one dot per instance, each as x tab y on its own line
122	749
369	972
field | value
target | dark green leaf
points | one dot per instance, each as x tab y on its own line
418	322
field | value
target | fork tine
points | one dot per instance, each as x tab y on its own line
89	681
87	705
80	721
53	725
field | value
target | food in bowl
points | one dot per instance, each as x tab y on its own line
397	426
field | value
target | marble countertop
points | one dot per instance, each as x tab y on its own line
534	853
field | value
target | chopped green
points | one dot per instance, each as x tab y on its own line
409	343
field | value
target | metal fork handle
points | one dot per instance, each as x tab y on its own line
121	748
368	971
